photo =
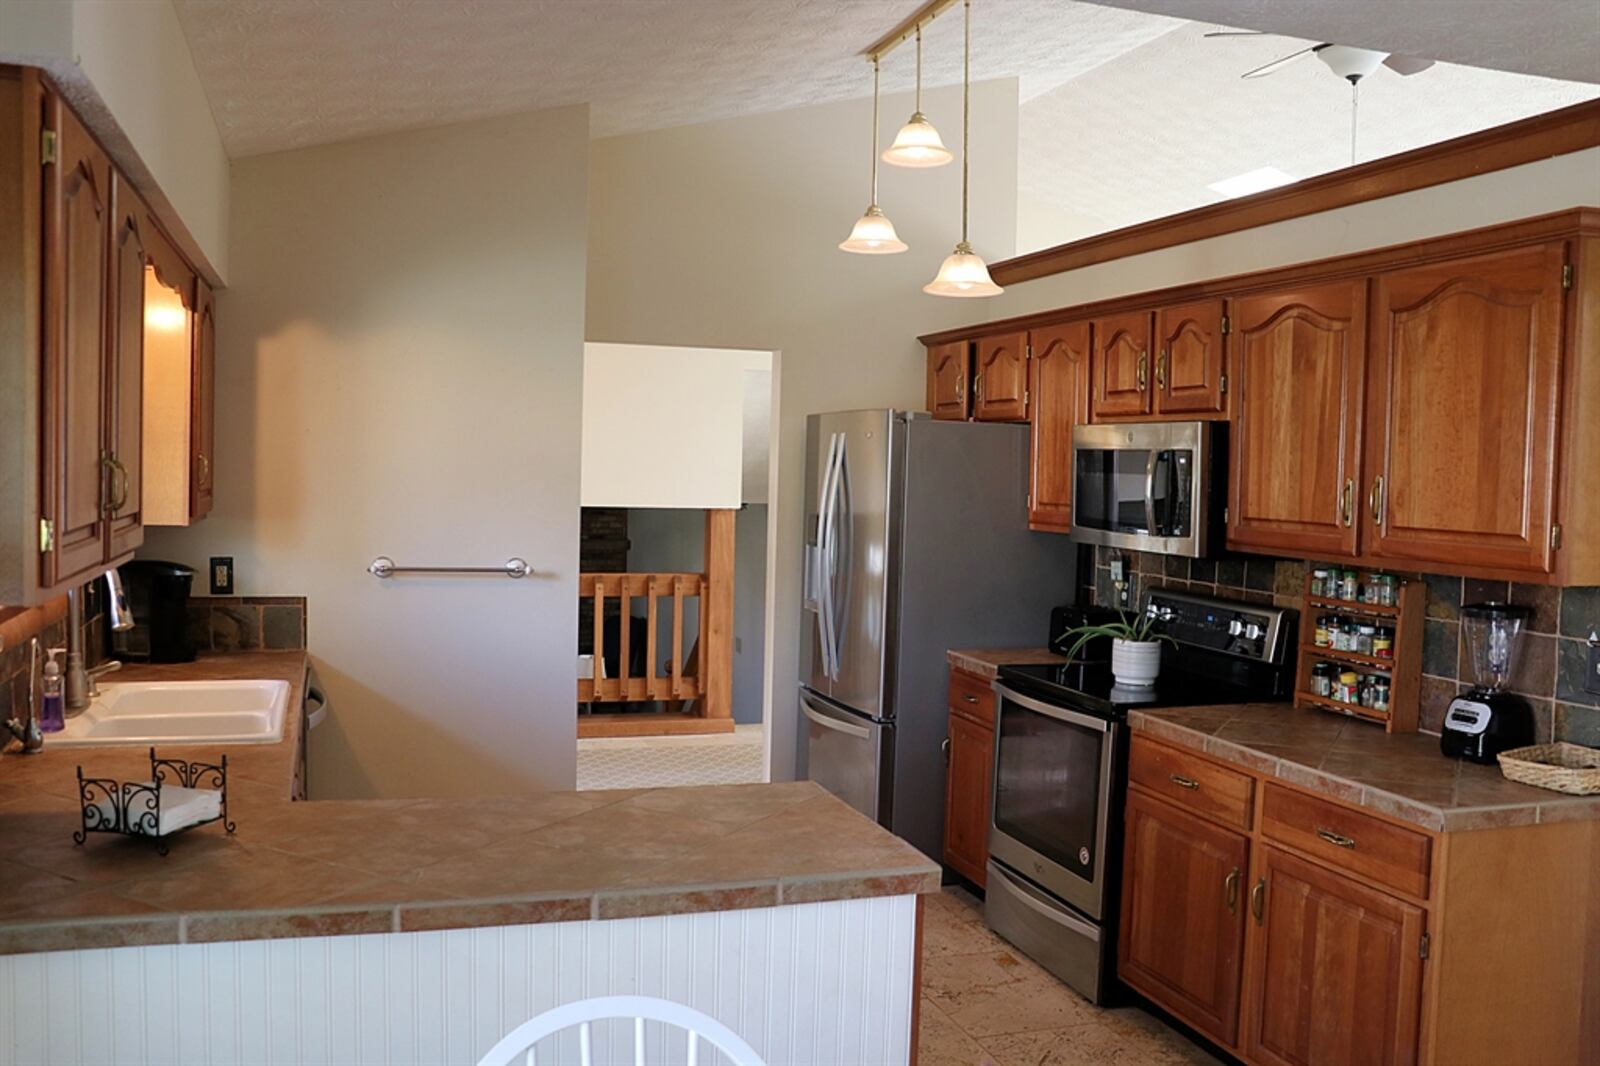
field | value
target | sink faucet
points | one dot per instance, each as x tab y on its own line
82	684
27	730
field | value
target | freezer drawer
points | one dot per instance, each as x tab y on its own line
850	755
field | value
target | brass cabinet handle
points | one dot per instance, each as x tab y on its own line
1161	370
1338	840
1375	500
1184	782
1230	888
1258	900
1347	502
205	466
1143	376
114	487
969	699
977	387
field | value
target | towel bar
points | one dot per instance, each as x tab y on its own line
383	567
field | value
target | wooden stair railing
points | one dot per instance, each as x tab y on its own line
625	588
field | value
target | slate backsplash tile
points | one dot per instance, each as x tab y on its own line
1230	572
1477	590
247	623
282	627
1535	673
1543	720
1204	570
1543	601
1571	668
1440	648
1444	596
1580	611
1260	574
1580	725
1434	695
235	627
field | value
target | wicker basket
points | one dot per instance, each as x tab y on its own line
1563	767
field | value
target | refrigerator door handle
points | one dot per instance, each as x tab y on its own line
827	615
835	724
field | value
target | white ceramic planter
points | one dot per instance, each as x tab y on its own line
1135	663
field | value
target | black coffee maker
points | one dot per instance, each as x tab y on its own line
1486	720
158	599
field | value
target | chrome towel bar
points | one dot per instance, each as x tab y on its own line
383	567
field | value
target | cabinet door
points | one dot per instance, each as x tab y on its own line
949	368
125	370
1182	936
1299	360
1190	361
1000	378
1466	369
1336	969
966	798
77	249
1121	367
203	417
1059	391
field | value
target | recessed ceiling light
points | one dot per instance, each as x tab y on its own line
1251	181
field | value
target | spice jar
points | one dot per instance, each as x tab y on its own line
1365	637
1319	582
1322	679
1324	635
1347	585
1380	694
1383	643
1369	590
1348	682
1388	591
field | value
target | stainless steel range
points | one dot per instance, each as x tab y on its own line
1061	770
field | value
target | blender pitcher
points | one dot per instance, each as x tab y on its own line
1494	634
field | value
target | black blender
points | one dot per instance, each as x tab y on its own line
1486	720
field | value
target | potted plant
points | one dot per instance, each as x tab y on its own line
1135	647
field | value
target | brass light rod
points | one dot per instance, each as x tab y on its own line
907	29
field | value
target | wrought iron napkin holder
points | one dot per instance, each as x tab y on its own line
135	807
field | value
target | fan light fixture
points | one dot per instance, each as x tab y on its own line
917	144
963	272
873	233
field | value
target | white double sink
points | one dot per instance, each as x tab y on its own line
180	712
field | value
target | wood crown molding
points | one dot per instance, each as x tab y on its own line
1569	129
1573	222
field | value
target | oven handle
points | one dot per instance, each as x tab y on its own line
1029	897
1060	713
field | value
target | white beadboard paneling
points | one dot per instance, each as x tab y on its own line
807	984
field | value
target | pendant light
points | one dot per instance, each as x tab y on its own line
873	233
917	144
964	273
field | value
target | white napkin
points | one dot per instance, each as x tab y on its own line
180	808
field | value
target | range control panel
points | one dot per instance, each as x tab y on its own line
1248	630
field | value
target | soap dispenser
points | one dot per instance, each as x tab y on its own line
51	712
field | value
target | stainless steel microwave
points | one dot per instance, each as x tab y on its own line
1147	486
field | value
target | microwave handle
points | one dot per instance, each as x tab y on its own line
1150	493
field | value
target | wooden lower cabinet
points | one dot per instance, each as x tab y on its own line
1183	873
1333	953
1336	968
969	776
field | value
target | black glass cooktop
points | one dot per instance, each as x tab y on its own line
1088	686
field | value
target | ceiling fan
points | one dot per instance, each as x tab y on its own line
1351	64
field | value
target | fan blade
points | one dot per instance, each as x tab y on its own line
1263	71
1407	65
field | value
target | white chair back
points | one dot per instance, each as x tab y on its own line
519	1047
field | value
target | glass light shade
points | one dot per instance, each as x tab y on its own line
917	145
962	274
873	234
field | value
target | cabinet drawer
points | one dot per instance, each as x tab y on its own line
1348	839
971	695
1202	787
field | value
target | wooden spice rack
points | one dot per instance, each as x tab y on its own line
1404	669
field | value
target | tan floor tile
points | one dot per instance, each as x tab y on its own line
1101	1042
1001	992
947	930
941	1042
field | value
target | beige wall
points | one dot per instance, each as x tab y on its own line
1518	192
724	235
125	66
399	373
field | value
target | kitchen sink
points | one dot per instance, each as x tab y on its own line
180	712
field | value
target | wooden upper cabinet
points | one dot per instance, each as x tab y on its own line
1336	970
1464	401
1190	361
1299	360
1000	378
1182	933
1121	367
77	250
204	422
1059	387
125	370
949	371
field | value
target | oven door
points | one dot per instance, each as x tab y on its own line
1053	781
1142	486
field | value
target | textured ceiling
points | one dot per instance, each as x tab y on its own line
291	73
1552	38
1186	119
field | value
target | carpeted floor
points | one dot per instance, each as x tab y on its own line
661	762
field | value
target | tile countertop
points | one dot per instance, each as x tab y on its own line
1403	776
331	867
986	662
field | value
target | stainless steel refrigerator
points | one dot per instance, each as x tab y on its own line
916	542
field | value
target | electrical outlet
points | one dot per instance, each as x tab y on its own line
222	575
1591	680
